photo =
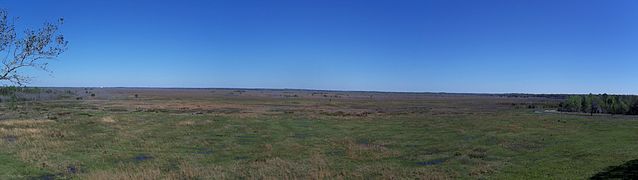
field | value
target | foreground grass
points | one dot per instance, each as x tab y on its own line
88	141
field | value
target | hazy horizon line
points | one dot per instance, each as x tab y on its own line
312	89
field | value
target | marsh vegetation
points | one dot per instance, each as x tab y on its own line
218	133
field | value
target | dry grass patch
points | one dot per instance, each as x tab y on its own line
186	123
20	131
185	170
34	130
482	170
26	122
108	119
33	141
32	135
319	167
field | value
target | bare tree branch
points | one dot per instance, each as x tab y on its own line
33	49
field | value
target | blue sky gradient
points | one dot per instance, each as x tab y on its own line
487	46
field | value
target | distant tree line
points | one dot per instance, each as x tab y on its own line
522	95
11	90
12	95
602	103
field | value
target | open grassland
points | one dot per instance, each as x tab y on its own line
288	134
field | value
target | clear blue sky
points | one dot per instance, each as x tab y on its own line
535	46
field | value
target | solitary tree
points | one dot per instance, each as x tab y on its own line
31	49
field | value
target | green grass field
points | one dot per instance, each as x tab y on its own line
224	134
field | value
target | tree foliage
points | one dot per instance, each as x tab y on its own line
603	103
30	49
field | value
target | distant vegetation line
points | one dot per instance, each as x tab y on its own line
511	95
11	90
602	103
591	103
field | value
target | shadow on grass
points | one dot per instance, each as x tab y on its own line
629	170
